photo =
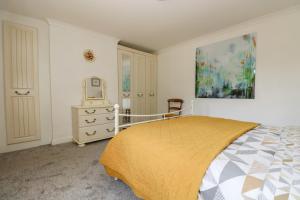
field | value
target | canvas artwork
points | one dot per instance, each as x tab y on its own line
227	69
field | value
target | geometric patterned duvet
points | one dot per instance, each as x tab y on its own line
262	164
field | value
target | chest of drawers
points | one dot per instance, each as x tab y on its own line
92	123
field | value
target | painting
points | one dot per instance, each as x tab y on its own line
227	69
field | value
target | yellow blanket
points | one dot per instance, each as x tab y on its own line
166	160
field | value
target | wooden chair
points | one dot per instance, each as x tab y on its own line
174	105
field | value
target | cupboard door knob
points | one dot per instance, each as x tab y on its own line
110	130
90	134
87	112
89	122
26	93
110	118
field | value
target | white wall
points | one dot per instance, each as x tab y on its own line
61	71
277	72
69	68
44	82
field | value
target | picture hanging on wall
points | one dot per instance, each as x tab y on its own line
227	69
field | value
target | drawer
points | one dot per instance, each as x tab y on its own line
92	133
95	111
93	120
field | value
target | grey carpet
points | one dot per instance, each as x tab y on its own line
61	172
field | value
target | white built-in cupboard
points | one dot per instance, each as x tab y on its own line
137	81
21	83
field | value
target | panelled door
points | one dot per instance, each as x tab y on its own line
125	69
139	104
151	80
125	63
21	83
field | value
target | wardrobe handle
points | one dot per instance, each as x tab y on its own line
26	93
110	118
90	134
87	112
88	122
140	94
152	94
110	110
110	130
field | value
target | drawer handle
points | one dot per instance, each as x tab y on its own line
90	134
87	112
26	93
110	130
110	110
110	118
89	122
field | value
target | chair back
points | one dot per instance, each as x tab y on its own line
175	104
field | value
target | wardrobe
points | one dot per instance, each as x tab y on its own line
137	82
21	83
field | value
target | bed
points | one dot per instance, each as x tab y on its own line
199	157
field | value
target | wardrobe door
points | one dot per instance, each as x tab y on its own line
151	79
125	70
125	63
139	104
21	83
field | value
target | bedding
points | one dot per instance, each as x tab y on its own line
167	159
262	164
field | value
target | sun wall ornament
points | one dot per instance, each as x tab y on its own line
89	55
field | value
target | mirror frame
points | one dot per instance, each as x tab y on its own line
94	101
101	87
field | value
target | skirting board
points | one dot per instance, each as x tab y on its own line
61	140
21	146
28	145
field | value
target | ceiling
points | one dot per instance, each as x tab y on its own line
149	24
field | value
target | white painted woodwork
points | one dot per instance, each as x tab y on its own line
151	85
86	120
93	133
116	107
125	58
139	81
143	77
21	83
86	110
92	123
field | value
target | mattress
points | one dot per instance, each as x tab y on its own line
264	163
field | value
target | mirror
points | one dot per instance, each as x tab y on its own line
94	92
94	88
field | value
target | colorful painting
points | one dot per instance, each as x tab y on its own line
227	69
